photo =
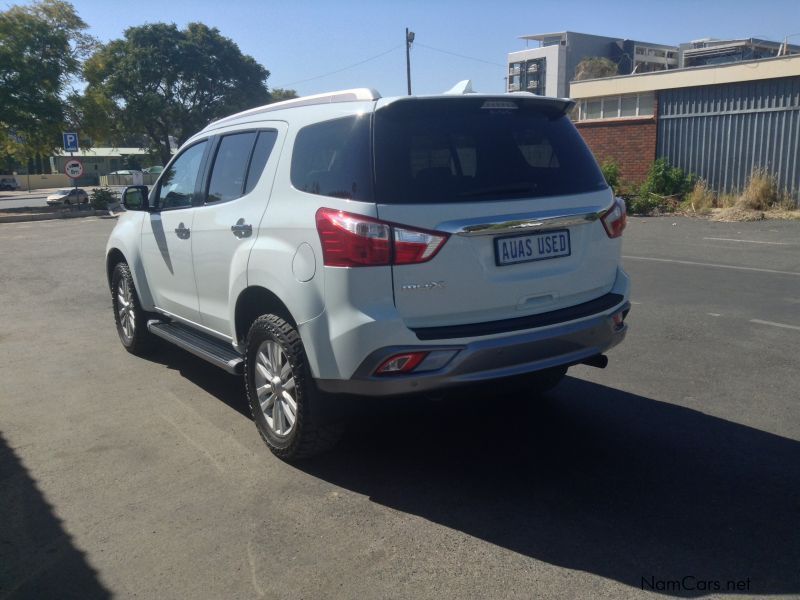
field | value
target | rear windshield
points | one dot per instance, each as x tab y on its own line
448	150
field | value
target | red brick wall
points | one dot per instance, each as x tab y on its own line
631	143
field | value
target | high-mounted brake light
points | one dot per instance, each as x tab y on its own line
351	240
615	218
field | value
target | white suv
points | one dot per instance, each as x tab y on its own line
351	244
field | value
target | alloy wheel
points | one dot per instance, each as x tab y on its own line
275	388
127	318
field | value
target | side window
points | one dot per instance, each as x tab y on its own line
332	158
230	167
179	180
264	145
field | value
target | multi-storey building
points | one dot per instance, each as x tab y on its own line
548	68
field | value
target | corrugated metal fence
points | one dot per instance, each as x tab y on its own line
721	132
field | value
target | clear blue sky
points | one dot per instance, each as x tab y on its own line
297	40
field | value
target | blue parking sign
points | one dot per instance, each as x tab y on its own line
70	141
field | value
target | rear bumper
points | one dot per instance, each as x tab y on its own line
555	345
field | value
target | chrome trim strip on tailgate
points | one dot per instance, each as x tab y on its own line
520	223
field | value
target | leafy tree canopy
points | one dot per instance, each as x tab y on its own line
595	67
164	82
280	94
41	48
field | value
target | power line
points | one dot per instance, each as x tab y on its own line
459	55
366	60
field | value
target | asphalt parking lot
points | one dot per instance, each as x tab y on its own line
676	467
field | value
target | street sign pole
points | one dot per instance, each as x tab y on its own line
75	182
70	139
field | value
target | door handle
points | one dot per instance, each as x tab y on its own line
241	229
182	231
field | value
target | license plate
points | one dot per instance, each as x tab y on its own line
530	247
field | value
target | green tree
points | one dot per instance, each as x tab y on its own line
280	94
162	82
41	48
595	67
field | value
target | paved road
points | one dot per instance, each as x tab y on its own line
146	478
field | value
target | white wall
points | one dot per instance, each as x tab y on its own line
39	182
555	76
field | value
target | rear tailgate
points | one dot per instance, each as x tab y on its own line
519	193
566	261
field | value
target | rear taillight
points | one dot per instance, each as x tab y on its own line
615	218
350	240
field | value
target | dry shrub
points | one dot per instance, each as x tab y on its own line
761	192
701	199
727	200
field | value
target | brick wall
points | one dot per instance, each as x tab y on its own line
630	142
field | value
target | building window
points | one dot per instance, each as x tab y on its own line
611	107
614	107
628	106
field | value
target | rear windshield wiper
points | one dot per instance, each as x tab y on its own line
499	191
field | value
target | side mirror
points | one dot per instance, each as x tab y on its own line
135	197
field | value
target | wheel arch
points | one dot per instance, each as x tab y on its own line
113	258
253	302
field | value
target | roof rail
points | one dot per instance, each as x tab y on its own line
353	95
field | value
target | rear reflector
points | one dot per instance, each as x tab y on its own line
615	218
351	240
400	363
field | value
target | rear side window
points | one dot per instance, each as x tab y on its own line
332	158
230	167
461	150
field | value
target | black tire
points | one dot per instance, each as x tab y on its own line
313	431
141	342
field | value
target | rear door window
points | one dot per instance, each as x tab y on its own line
458	150
239	163
230	167
264	146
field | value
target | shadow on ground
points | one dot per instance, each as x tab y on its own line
37	557
228	389
596	479
592	478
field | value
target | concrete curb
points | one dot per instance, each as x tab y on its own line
21	218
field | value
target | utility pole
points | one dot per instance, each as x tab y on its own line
409	41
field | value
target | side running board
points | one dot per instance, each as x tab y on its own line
215	351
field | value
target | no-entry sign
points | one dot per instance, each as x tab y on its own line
73	168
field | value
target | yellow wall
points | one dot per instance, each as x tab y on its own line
771	68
